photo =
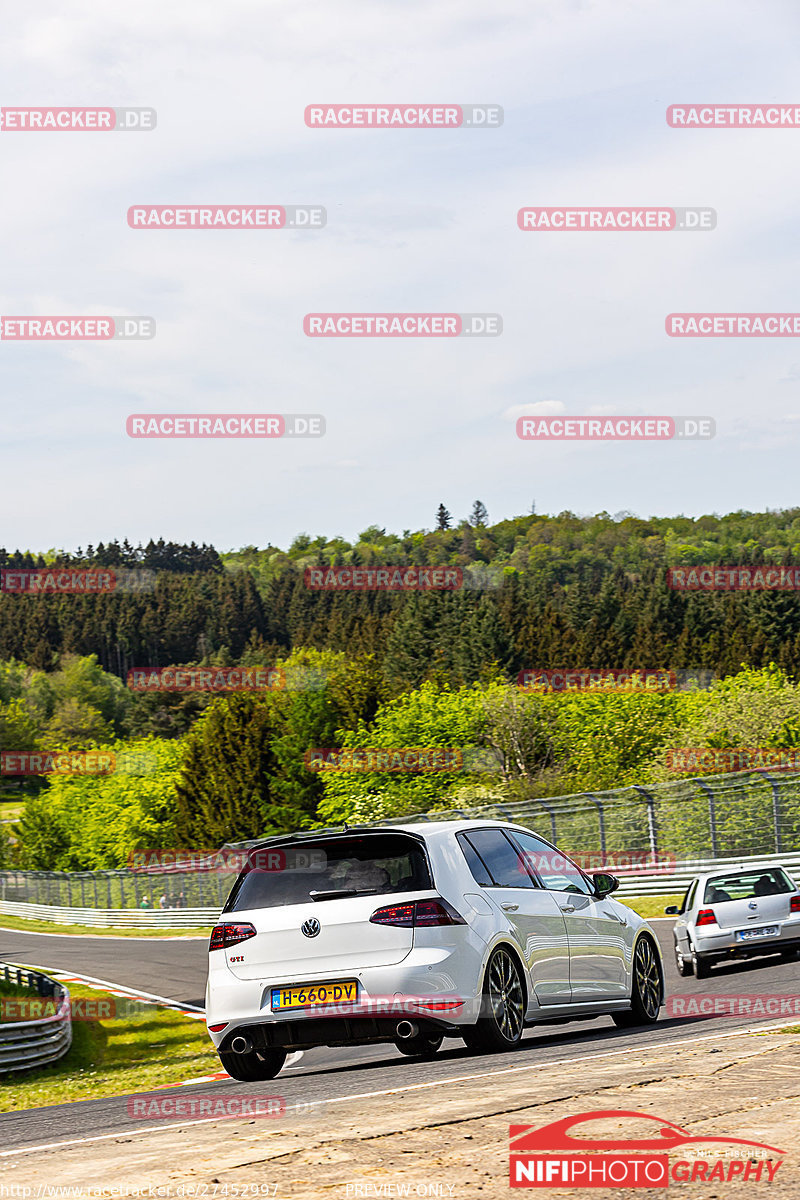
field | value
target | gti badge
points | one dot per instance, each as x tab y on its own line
311	927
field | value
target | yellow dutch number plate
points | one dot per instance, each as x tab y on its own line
319	993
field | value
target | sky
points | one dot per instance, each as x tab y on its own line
417	221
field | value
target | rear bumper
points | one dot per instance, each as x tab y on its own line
328	1031
435	995
723	943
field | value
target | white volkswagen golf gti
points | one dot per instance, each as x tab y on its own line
413	933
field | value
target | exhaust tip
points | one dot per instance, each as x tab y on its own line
241	1045
406	1029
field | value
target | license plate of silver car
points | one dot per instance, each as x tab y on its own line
744	935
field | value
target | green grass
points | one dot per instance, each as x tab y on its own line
650	906
18	923
15	991
153	1048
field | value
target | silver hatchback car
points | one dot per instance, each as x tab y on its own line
735	913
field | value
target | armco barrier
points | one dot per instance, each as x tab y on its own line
667	883
114	918
632	883
26	1044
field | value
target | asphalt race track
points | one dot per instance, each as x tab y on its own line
172	967
176	969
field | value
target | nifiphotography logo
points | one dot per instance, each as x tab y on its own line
551	1157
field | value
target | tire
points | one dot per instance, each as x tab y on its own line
684	967
647	987
502	1017
257	1064
701	967
424	1045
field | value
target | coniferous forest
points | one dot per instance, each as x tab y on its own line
538	591
383	668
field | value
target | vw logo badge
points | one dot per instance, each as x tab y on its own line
752	904
311	927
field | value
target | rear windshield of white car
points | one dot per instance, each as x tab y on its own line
747	886
336	868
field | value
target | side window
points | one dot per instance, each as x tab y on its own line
475	863
688	899
501	860
557	872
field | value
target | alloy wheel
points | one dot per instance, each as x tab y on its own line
648	978
506	996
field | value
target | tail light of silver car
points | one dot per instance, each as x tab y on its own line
706	917
794	903
230	934
418	914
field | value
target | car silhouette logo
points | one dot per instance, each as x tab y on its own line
311	927
557	1136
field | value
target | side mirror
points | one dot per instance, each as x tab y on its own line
672	911
604	884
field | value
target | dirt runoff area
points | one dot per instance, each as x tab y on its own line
451	1138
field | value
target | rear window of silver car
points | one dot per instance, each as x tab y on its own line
748	885
335	868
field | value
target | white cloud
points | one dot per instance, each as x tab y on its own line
417	221
545	407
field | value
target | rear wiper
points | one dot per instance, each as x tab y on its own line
333	893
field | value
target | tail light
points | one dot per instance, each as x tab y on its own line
794	904
706	917
418	914
223	936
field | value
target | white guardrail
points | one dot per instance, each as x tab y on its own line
637	881
676	878
26	1044
114	918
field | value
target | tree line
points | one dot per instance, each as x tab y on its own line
539	591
